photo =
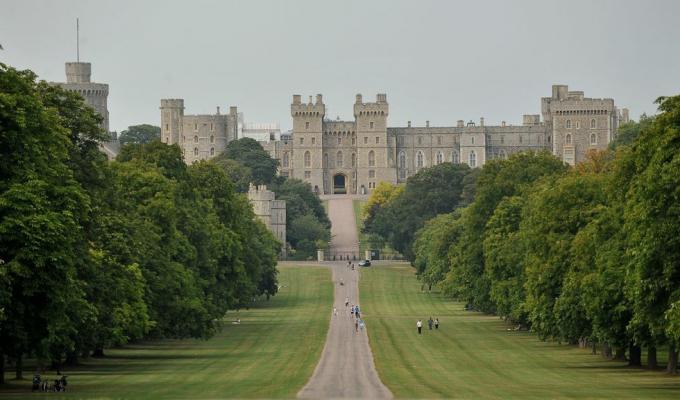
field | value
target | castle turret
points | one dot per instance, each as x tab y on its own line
375	158
172	113
78	72
308	139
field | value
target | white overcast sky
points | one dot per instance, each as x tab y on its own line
436	60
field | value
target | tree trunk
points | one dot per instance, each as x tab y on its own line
606	350
20	366
620	354
72	358
635	355
651	358
2	368
672	367
594	348
98	352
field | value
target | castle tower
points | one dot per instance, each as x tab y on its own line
95	94
308	140
374	160
172	114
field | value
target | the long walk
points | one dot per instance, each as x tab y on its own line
346	368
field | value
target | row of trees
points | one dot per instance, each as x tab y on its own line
584	255
95	253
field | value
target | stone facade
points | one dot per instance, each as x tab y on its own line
78	79
270	211
200	137
338	157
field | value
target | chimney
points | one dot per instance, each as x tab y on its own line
319	99
218	110
359	100
481	121
427	124
310	99
409	124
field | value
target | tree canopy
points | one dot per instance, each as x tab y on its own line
140	134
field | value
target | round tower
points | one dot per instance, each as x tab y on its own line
172	113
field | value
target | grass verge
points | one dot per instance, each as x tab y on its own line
271	354
474	355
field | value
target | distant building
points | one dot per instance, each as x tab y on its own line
95	95
270	211
200	137
353	156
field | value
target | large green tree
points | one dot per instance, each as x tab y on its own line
140	134
250	154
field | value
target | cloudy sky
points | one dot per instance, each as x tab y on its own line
438	61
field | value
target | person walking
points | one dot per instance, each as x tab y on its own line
436	323
419	325
429	323
346	301
335	311
361	324
356	325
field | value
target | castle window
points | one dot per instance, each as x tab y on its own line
593	138
371	173
502	139
212	151
212	127
371	124
325	160
196	139
306	125
455	159
196	151
472	140
354	141
339	140
402	160
313	140
520	138
420	160
302	140
167	139
308	159
338	159
377	140
354	160
167	127
473	159
568	139
440	157
183	138
285	160
593	124
502	155
195	127
308	174
365	139
212	139
568	125
439	140
578	124
420	140
371	159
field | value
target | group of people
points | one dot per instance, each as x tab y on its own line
43	385
430	323
350	265
356	314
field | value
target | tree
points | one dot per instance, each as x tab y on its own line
239	174
652	225
250	154
140	134
431	191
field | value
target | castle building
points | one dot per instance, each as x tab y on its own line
270	211
338	157
78	79
200	137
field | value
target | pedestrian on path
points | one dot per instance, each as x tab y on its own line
361	324
356	325
419	325
352	310
429	323
335	311
436	323
346	301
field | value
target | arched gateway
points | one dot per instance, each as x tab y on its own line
339	184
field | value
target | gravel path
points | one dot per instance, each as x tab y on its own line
346	367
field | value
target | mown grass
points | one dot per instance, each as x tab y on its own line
272	353
475	356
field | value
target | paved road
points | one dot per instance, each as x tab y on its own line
346	367
344	238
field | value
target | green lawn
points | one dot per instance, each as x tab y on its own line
474	356
272	353
385	252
